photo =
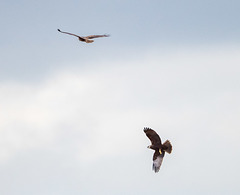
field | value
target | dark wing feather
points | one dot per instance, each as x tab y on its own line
82	39
153	136
96	36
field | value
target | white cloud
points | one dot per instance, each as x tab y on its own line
104	109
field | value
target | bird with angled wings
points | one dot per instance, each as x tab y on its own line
158	147
86	39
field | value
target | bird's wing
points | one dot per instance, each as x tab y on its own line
96	36
72	34
157	160
153	136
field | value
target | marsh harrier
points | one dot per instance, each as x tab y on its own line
159	148
87	39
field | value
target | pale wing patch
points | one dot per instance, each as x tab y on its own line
157	163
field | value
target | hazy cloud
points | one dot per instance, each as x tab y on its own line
75	121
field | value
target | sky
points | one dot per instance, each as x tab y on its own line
72	114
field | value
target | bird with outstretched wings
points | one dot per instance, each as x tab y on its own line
158	147
87	39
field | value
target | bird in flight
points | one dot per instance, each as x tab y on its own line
87	39
159	148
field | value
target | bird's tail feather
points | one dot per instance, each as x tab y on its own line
168	145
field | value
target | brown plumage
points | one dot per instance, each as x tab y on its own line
159	148
86	39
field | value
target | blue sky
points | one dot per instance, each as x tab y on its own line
30	34
72	114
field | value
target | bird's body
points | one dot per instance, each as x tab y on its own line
87	39
158	147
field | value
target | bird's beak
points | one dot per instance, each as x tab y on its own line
160	151
148	147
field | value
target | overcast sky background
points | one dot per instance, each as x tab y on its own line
72	114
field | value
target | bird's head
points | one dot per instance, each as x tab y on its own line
151	147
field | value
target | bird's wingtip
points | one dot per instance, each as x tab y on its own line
145	129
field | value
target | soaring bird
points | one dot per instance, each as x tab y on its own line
86	39
159	148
